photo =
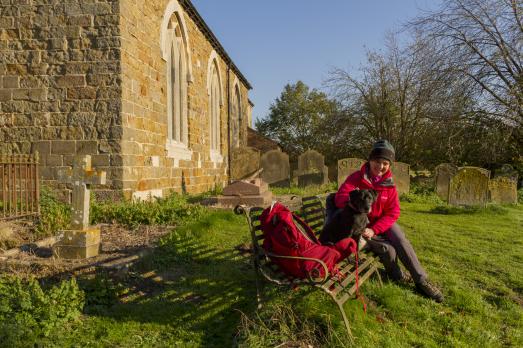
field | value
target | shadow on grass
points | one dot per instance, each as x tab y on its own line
193	291
460	210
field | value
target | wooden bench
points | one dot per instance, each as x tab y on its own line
340	287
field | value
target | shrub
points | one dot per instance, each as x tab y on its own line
29	313
54	215
520	196
172	210
475	209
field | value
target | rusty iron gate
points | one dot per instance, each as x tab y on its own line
19	186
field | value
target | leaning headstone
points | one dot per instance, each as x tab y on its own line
443	173
311	169
401	177
503	189
254	192
507	170
276	168
244	162
82	240
470	186
347	166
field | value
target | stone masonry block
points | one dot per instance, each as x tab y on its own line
63	147
5	95
86	147
11	82
100	160
81	93
79	238
54	160
81	20
71	81
43	147
73	252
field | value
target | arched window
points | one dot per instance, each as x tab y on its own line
174	45
214	90
177	86
236	117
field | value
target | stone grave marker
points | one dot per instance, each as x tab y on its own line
82	240
276	168
347	166
254	192
244	162
401	174
443	173
470	186
507	170
503	190
311	169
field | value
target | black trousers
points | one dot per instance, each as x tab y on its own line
393	245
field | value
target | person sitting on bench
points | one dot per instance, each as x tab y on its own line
384	235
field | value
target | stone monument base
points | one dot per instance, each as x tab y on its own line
77	244
253	192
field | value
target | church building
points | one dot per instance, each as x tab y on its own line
143	87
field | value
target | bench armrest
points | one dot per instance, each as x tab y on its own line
325	269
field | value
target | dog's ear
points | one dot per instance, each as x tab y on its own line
374	194
353	195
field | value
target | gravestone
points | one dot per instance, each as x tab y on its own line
443	173
401	177
244	162
503	190
254	192
311	169
347	166
507	170
82	240
469	186
276	168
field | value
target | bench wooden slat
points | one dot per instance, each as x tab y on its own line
313	214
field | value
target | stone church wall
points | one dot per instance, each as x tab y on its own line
87	77
147	168
60	81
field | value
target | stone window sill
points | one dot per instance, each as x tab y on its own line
216	157
178	151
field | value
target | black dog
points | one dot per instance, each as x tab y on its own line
351	220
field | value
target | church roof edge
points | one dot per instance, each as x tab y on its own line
195	15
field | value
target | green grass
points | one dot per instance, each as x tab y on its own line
305	191
206	294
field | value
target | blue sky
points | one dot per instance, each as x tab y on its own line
275	42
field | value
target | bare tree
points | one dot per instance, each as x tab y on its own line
404	95
483	39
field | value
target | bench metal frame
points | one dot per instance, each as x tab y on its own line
340	287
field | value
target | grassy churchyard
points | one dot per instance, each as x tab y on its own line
197	289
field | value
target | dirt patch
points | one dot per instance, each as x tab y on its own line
120	245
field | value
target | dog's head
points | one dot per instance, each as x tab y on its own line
361	200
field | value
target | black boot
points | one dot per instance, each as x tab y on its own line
430	290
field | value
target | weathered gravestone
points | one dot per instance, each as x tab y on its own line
507	170
276	168
82	240
254	192
311	169
503	190
401	177
347	166
244	162
443	173
470	186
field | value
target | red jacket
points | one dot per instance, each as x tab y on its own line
386	210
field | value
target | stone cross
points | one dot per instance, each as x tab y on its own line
80	176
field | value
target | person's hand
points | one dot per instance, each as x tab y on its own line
368	233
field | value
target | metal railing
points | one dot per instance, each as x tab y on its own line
19	186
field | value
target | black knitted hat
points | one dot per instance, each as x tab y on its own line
382	149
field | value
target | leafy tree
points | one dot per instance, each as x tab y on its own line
297	119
